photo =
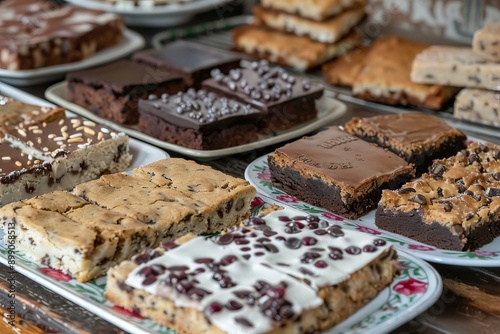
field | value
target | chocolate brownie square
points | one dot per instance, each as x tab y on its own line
190	60
113	91
337	171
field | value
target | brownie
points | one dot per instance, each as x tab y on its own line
199	120
190	60
284	99
455	206
418	138
337	171
113	91
36	34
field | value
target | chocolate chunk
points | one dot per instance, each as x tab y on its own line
447	206
406	191
353	250
243	321
336	231
293	243
457	230
493	192
419	199
379	242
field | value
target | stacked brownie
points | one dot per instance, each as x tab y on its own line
37	33
301	34
476	68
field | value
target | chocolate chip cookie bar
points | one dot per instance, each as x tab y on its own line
315	10
478	105
337	171
343	70
418	138
284	272
486	42
455	206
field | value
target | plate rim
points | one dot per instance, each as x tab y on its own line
57	94
452	258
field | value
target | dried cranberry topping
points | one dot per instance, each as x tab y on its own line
369	249
309	241
353	250
379	242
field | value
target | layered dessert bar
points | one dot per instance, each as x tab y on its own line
199	120
36	34
343	70
486	41
385	76
418	138
284	272
455	206
328	31
478	105
190	60
455	66
113	91
315	10
60	155
283	99
299	52
337	171
106	221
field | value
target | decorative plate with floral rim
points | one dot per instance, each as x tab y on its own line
257	173
416	288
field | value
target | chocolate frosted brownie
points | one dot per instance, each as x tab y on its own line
36	34
327	31
285	272
190	60
455	66
418	138
108	220
299	52
199	120
455	206
337	171
478	105
113	91
486	41
385	76
284	99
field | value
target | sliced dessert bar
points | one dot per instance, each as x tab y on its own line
343	70
315	10
455	206
113	91
478	105
199	120
283	99
337	171
486	41
285	272
190	60
418	138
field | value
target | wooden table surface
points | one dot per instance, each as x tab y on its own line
469	303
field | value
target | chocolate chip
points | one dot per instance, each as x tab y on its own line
379	242
293	243
473	158
233	305
493	192
225	239
353	250
369	249
335	231
447	206
243	321
438	169
271	248
406	191
469	216
457	230
419	199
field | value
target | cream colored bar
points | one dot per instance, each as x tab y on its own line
486	42
455	66
316	10
478	105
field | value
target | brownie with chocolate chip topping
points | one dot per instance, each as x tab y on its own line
455	206
284	99
337	171
113	91
200	120
283	271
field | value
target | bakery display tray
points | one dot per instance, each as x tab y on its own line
258	174
328	111
217	35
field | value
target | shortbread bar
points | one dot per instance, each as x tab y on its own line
343	70
478	105
385	76
327	31
285	272
455	66
316	10
486	42
283	48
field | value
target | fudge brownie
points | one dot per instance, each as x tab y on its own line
36	34
418	138
106	221
455	206
284	99
337	171
113	91
478	105
280	273
190	60
199	120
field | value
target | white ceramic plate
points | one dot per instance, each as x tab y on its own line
412	292
257	173
332	110
132	41
154	16
142	153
